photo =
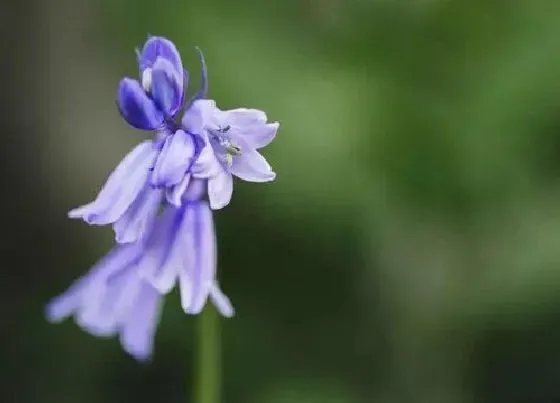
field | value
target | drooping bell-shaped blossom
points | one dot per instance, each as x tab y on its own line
183	252
232	138
122	294
111	299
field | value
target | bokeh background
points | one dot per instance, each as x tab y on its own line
409	250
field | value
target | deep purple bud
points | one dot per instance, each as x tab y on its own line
166	86
158	47
136	107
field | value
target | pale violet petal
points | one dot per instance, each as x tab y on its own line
174	195
176	258
252	167
185	290
195	191
174	159
121	189
251	125
200	114
138	331
135	223
202	257
221	301
74	298
158	250
220	189
206	165
97	314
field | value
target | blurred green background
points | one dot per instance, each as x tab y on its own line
409	250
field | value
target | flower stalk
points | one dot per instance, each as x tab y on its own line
208	382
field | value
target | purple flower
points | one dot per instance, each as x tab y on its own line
232	139
160	200
122	294
134	192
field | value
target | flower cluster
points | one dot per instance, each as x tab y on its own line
159	201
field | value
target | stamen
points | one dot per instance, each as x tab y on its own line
228	158
229	149
233	149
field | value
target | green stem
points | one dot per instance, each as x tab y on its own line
208	385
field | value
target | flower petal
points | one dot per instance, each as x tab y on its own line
158	252
136	107
201	257
159	47
121	189
199	115
138	331
77	297
250	124
195	192
206	164
174	195
138	219
166	86
220	189
174	159
221	301
252	167
261	136
128	306
99	315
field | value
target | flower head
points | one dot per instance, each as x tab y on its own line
159	200
134	192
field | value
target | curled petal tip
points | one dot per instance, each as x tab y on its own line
54	313
124	238
139	354
273	125
222	302
75	213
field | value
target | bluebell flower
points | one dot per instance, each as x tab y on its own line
160	200
122	294
133	193
231	139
